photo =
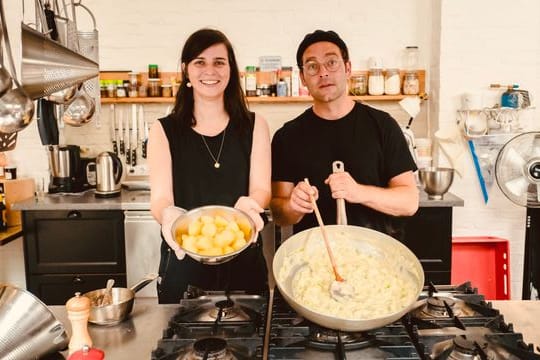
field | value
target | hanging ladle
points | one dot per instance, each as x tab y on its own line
339	289
80	110
5	79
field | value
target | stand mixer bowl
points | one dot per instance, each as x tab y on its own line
436	181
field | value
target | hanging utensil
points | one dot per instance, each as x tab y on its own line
145	141
16	108
121	130
339	289
48	67
114	134
80	110
6	82
127	140
134	142
46	121
89	47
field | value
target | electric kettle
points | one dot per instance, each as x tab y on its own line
108	174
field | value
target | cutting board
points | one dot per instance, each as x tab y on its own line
17	190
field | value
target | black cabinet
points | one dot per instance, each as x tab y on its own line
429	235
69	250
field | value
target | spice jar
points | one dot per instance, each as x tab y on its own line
154	88
251	81
358	85
411	85
376	82
166	90
133	84
120	89
153	71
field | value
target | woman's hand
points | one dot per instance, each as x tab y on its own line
252	208
168	216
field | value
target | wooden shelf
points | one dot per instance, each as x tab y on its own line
167	76
253	100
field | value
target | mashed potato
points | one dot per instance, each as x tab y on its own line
383	283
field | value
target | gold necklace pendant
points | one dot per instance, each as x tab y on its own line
217	164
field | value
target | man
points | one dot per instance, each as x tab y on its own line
378	184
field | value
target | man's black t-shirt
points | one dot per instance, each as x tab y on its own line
368	141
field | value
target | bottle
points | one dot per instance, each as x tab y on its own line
375	82
120	89
392	82
295	82
251	81
281	87
3	209
411	58
510	98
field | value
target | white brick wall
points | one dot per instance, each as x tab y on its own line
483	42
473	43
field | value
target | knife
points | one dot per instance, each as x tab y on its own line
145	141
127	140
113	129
120	129
133	139
140	126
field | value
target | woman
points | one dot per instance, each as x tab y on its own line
211	150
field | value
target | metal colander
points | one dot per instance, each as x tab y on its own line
48	67
89	47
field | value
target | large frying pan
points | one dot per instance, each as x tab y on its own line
364	238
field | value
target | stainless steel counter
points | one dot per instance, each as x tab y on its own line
140	200
136	337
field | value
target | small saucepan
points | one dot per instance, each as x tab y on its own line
121	305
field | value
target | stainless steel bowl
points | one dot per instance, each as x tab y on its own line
436	181
229	213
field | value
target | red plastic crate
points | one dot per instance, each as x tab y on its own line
485	261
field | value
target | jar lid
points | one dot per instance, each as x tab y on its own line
250	68
154	79
166	85
133	73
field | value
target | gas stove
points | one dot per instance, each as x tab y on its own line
447	322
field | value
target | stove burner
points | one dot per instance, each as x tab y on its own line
226	307
464	349
444	307
211	349
436	306
326	339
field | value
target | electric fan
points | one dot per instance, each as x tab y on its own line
517	171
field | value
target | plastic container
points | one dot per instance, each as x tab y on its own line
154	87
485	262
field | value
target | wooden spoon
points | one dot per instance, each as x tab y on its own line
339	289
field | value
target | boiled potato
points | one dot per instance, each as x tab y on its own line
204	242
214	235
220	221
209	229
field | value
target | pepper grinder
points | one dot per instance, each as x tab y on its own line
78	309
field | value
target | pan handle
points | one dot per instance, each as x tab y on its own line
143	282
337	167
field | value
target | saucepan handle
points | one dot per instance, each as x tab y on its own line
337	167
143	282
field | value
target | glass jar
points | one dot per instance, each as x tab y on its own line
264	90
411	84
154	87
153	72
392	82
358	85
166	90
375	82
251	81
411	58
133	84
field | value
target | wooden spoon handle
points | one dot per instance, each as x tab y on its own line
325	237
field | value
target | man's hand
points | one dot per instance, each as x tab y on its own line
253	209
300	201
168	216
343	186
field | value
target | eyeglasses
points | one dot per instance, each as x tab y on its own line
313	67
